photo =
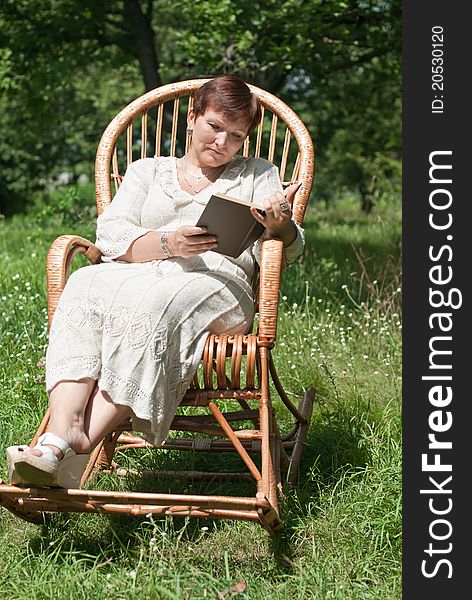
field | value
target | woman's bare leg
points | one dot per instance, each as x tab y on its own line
102	416
81	415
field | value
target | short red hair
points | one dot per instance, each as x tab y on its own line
230	96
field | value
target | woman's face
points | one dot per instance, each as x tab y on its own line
215	138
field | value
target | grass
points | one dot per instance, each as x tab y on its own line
339	330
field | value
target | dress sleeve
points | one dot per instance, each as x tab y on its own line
266	184
120	223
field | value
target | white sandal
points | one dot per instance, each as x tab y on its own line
46	470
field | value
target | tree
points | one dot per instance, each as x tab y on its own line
63	64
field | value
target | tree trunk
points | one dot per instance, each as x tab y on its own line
270	81
367	195
142	34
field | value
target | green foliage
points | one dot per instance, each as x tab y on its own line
362	142
70	205
67	67
56	101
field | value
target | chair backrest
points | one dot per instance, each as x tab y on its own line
155	124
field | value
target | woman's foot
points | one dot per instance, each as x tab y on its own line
73	434
52	462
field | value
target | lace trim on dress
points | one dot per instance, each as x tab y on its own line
126	391
166	177
112	249
73	368
150	416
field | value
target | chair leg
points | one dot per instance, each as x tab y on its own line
268	451
306	409
282	460
41	428
101	457
302	416
11	504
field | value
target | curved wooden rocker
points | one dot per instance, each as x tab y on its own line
225	358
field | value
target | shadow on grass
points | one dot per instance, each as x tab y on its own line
333	449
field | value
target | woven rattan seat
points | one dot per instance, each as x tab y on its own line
234	369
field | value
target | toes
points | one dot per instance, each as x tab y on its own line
31	451
35	452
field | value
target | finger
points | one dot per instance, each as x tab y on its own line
284	203
291	191
275	200
270	209
272	202
189	230
198	240
200	248
257	215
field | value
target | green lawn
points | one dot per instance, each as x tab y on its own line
339	330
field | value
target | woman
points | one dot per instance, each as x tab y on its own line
128	334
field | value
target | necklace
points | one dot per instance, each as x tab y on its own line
211	178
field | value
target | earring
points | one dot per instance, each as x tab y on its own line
189	131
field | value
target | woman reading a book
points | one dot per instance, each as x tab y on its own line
128	333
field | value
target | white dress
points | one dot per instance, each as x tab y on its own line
140	328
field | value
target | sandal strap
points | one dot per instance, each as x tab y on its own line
51	439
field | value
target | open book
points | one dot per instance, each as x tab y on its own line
231	221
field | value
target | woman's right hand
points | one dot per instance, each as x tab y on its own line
188	241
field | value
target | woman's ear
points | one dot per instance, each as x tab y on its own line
190	121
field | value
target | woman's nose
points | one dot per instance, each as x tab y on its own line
221	137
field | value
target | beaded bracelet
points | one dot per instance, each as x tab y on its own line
164	242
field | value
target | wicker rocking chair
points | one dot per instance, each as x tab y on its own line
159	120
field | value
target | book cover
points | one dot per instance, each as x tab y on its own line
231	221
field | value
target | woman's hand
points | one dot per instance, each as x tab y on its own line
188	241
278	215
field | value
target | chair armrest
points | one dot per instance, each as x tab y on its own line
269	285
58	263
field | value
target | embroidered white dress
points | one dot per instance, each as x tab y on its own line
140	328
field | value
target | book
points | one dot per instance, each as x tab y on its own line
231	221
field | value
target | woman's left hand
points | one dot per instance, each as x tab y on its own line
278	214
